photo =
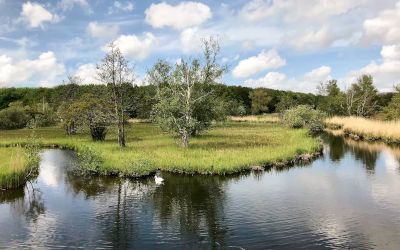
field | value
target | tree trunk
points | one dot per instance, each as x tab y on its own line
98	133
185	139
121	134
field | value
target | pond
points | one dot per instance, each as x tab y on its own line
349	198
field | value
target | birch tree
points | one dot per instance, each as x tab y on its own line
114	71
186	103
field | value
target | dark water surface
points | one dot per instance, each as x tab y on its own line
349	198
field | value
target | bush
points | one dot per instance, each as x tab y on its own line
304	116
13	117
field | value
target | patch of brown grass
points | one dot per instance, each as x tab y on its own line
274	118
369	129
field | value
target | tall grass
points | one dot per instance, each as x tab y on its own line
226	148
388	131
15	166
274	118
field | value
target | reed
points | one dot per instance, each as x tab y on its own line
367	129
13	167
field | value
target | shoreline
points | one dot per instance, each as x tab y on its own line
301	159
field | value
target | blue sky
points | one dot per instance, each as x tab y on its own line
281	44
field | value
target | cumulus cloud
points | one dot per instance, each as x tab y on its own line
385	27
43	70
386	73
88	73
35	14
181	16
135	47
255	64
306	83
102	30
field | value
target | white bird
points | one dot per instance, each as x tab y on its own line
159	180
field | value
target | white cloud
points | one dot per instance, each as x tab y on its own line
270	80
135	47
126	6
385	27
391	53
69	4
386	73
190	40
43	70
88	73
102	30
306	83
319	74
181	16
310	39
35	14
295	10
255	64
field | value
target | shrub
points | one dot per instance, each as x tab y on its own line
13	117
304	116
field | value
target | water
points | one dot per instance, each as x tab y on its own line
349	198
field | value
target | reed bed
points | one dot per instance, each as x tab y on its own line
367	129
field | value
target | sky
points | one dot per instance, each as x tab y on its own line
279	44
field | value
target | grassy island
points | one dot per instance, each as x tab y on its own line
226	148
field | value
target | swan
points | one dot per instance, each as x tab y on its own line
158	179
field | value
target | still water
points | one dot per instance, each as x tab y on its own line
349	198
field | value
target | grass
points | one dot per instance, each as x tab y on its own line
367	129
227	148
274	118
15	166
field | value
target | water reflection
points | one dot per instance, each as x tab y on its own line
349	198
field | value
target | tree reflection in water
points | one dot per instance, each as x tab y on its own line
195	205
27	202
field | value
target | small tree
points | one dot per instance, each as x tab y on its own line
333	99
392	111
286	102
93	113
115	72
69	95
304	116
259	101
185	101
362	97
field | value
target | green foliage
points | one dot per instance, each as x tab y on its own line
392	111
13	117
286	102
90	161
186	103
89	112
260	100
304	116
362	98
333	100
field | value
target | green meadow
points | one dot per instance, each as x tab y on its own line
227	148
